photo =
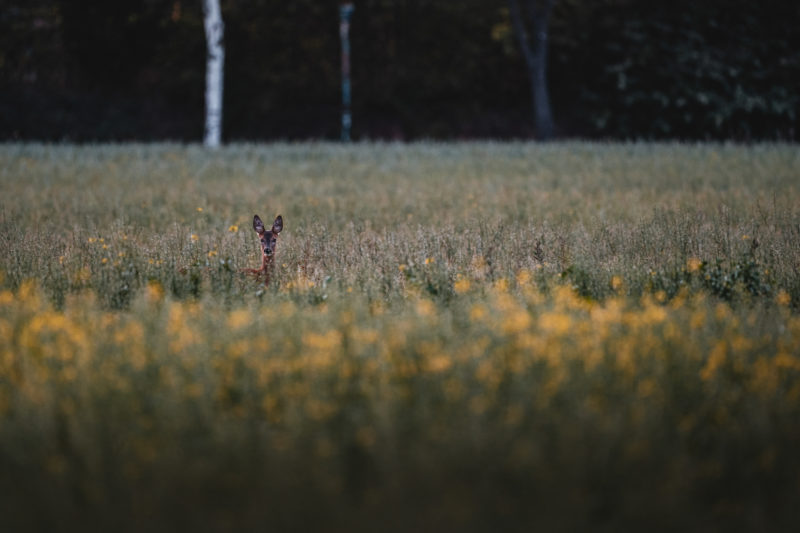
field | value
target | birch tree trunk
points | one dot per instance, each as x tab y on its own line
215	63
535	55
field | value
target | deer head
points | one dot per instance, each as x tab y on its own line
269	239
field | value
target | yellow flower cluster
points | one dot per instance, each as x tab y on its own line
501	352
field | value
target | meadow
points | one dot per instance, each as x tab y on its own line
470	337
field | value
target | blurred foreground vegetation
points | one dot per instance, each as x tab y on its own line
468	337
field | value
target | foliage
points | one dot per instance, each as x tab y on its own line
133	69
687	69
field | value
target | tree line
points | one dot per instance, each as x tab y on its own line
93	70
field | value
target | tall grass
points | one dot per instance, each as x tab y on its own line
355	213
474	337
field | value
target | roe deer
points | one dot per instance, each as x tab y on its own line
269	240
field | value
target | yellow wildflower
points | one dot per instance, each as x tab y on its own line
461	284
239	318
478	313
501	285
154	292
783	298
439	363
425	307
555	322
715	360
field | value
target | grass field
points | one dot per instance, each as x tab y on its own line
467	337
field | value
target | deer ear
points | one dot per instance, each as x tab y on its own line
258	225
277	226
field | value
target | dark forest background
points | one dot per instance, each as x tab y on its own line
103	70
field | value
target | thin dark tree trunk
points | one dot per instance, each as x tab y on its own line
535	54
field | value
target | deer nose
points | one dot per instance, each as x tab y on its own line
267	251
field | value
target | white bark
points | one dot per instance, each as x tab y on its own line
215	63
